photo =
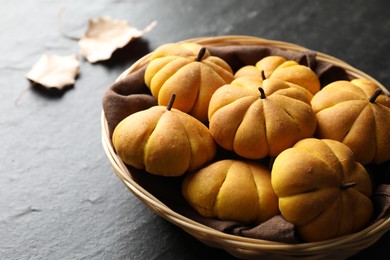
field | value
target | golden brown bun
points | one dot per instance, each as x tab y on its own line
164	142
232	190
173	68
344	113
322	190
255	127
277	67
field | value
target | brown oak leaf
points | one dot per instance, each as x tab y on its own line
54	71
105	35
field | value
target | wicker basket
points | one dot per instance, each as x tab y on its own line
243	247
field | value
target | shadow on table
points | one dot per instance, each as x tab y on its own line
128	54
49	92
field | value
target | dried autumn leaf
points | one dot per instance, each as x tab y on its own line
54	71
105	35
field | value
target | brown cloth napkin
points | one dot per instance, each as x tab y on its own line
130	95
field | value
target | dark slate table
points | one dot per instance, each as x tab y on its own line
59	197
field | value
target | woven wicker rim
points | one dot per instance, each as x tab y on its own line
237	245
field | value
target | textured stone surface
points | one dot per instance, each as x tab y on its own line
59	198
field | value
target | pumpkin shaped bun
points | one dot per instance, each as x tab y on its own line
357	114
322	190
232	190
256	118
277	67
189	71
164	141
